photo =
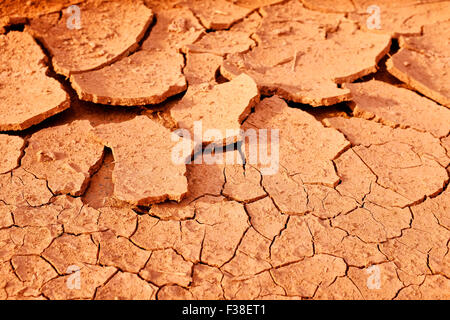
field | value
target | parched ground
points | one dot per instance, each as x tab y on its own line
354	205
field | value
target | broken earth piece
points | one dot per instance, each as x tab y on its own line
219	109
29	96
144	172
111	30
421	58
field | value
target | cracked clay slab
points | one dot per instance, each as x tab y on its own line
394	106
109	30
144	171
222	107
134	80
423	57
27	95
319	52
66	156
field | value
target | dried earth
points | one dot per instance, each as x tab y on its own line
343	195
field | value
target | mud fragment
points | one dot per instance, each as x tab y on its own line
66	156
421	58
109	31
222	107
398	107
292	73
22	66
145	84
144	172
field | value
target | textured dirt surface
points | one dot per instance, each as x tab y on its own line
343	193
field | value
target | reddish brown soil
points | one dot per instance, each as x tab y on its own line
358	206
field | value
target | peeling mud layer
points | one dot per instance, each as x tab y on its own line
219	149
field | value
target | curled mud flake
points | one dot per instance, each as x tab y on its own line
421	58
265	217
250	288
252	256
174	293
377	282
201	67
90	277
134	80
306	148
342	289
206	283
120	252
399	17
68	250
174	29
217	14
66	156
304	277
218	109
293	244
166	267
102	39
293	73
11	147
329	5
126	286
396	106
28	95
144	171
225	224
335	241
435	287
374	223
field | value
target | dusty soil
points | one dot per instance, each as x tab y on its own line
93	204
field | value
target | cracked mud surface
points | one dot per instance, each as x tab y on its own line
89	187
